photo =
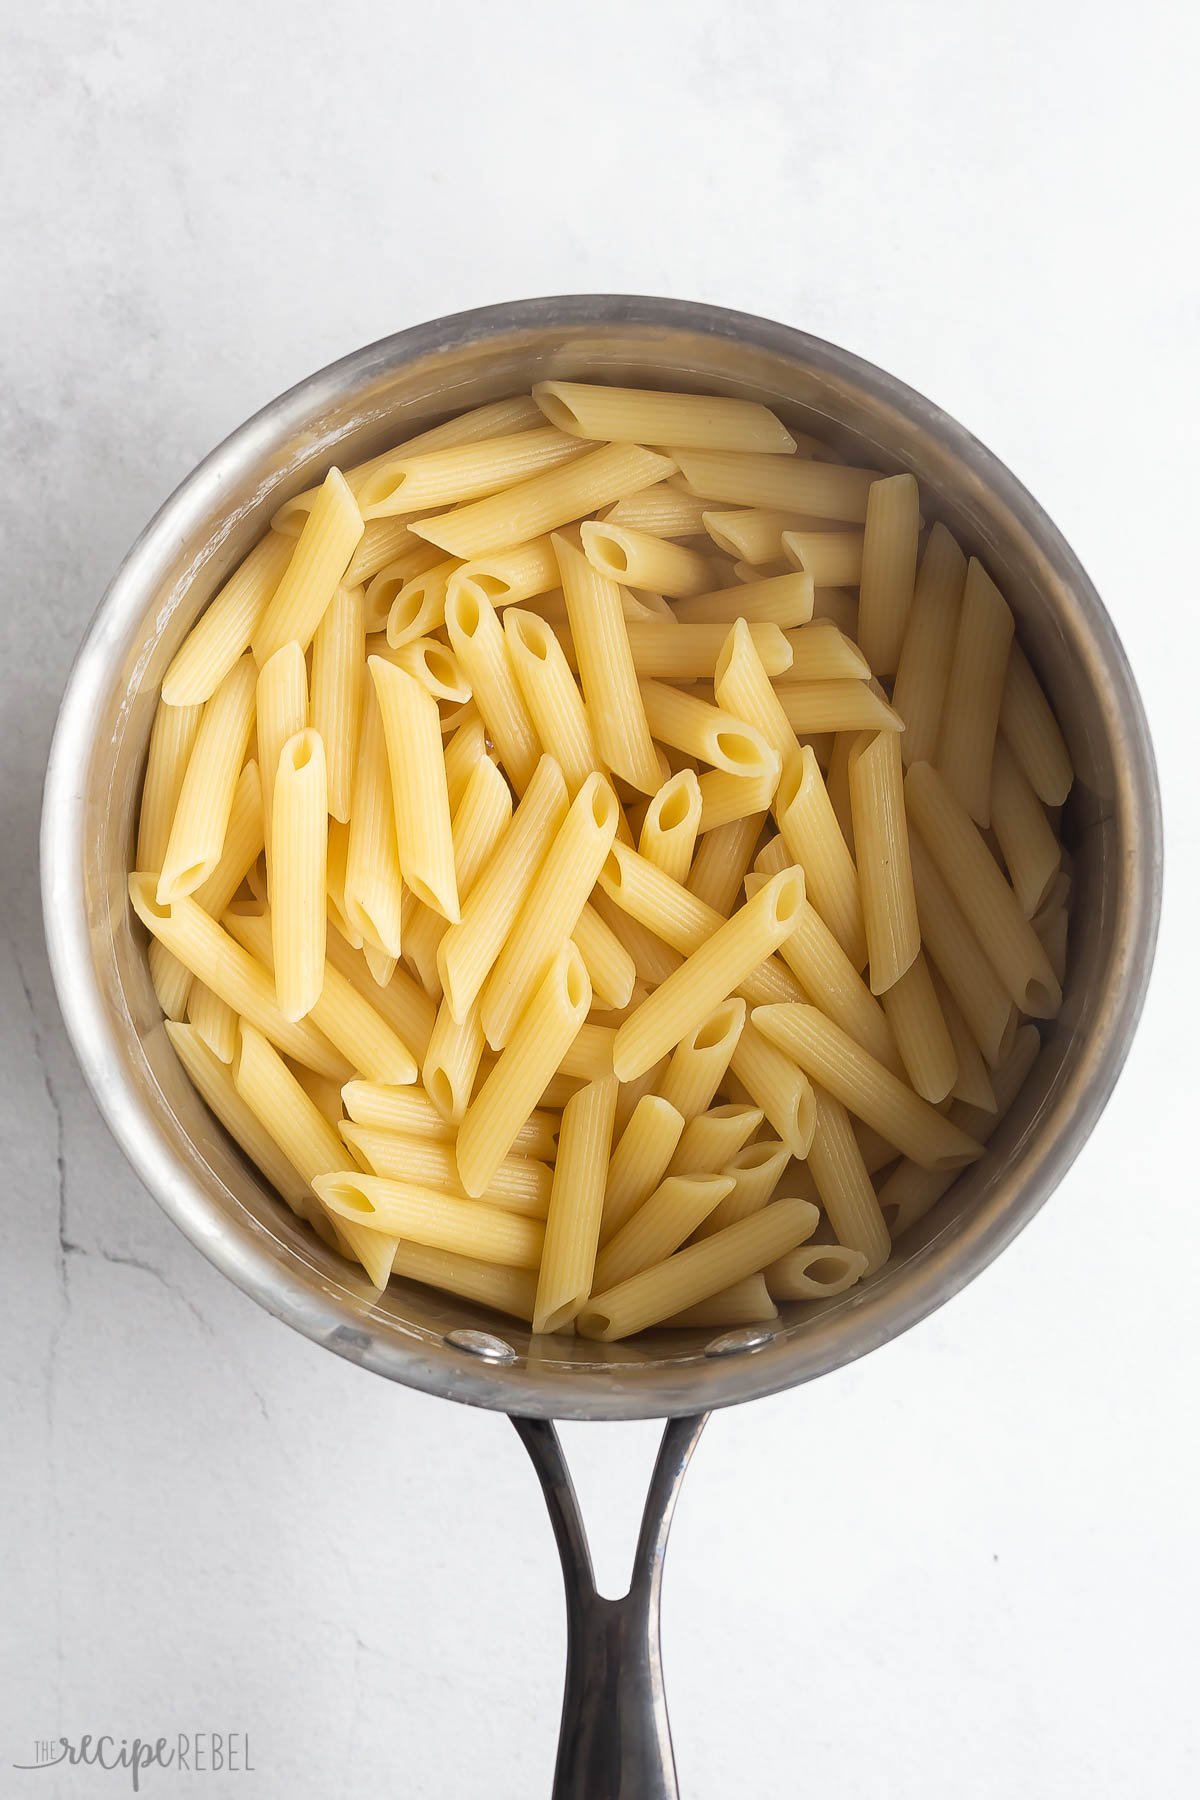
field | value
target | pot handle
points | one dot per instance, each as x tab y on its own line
615	1738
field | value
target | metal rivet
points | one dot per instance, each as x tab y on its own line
482	1344
735	1343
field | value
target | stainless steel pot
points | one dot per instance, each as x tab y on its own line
615	1738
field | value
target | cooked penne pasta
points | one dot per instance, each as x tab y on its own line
338	679
889	570
1033	733
706	732
847	1196
405	1209
419	792
881	846
466	746
297	863
747	1302
615	709
664	1221
971	713
743	689
781	1090
972	1082
699	1061
553	701
958	955
754	537
725	798
921	1033
639	1160
487	1284
756	1171
418	604
201	818
318	564
817	706
576	1204
171	981
720	863
810	830
215	1022
660	509
520	1184
280	711
782	600
509	576
788	484
439	478
815	1272
401	1004
831	559
923	671
372	893
224	629
172	736
645	416
479	642
668	834
611	969
666	650
712	1139
1032	853
387	550
435	667
822	652
644	561
410	1112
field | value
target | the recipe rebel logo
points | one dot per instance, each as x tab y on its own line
186	1752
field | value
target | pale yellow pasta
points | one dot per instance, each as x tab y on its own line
706	732
452	1060
553	701
971	713
201	818
589	1056
509	576
610	967
667	650
910	1190
1051	928
881	846
465	747
411	1112
781	1090
468	951
639	1160
406	1210
712	1139
213	1079
743	689
225	627
487	1284
280	711
956	952
837	782
616	713
533	1052
923	671
754	536
172	736
815	1272
809	827
972	1082
835	606
419	792
641	560
832	1060
828	558
725	798
747	1302
789	484
435	667
721	862
708	976
1033	733
439	478
418	606
406	1009
338	679
388	553
660	509
889	570
782	600
645	416
847	1196
966	865
699	1061
545	502
668	834
921	1032
551	908
697	1272
576	1204
479	643
171	981
381	965
323	1091
818	706
298	846
372	892
318	564
664	1221
756	1171
215	1021
1032	853
520	1185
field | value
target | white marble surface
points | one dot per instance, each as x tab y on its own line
965	1566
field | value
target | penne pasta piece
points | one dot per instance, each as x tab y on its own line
1033	733
706	732
372	892
172	737
244	838
788	484
884	869
837	782
847	1196
708	976
419	792
487	1284
712	1139
410	1112
834	606
699	1061
664	1221
782	600
1032	853
615	710
809	827
781	1090
297	863
576	1203
224	629
551	697
971	713
172	983
545	502
720	863
1052	933
957	954
521	1185
832	1059
921	1032
822	652
645	416
318	564
815	1272
972	1082
817	706
923	670
697	1272
201	817
611	969
965	863
323	1091
550	910
388	553
465	747
756	1171
754	537
534	1051
338	679
589	1056
668	834
509	576
451	1064
643	561
479	642
666	650
401	1004
280	711
661	510
435	667
747	1302
418	603
439	478
743	689
889	570
406	1210
725	798
215	1022
639	1160
831	559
